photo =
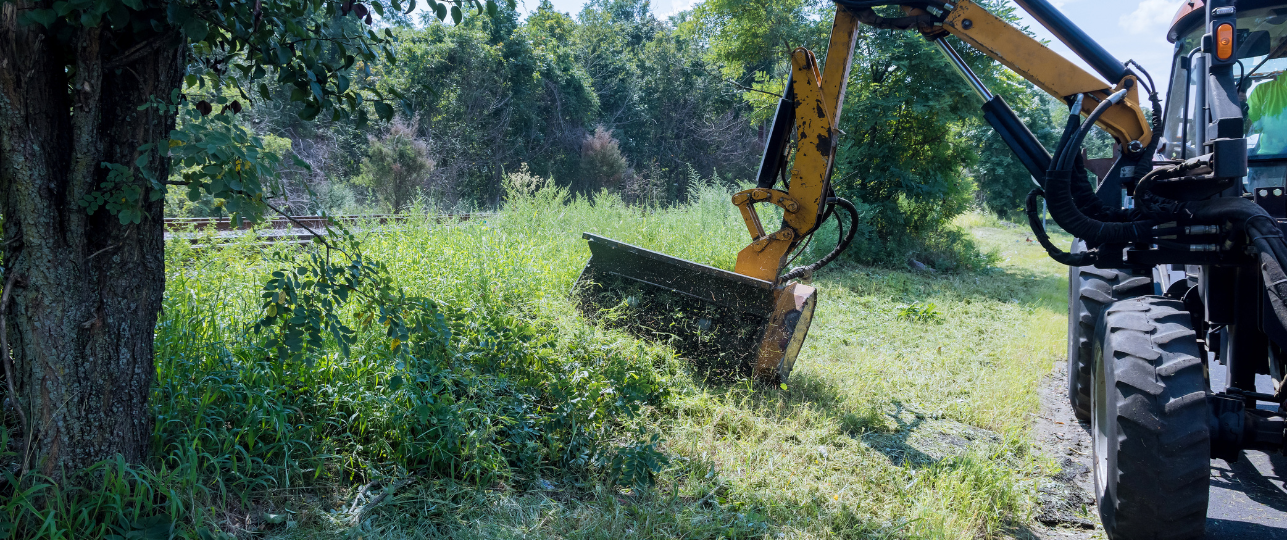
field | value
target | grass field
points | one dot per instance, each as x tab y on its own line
906	416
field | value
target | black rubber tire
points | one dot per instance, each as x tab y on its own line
1149	425
1090	289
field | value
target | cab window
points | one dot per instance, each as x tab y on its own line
1262	54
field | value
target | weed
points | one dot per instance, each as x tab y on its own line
920	312
638	464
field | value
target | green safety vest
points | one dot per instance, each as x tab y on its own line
1267	115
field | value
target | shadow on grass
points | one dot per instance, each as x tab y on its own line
885	428
914	442
1013	284
895	444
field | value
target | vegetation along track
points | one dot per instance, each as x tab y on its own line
862	442
294	229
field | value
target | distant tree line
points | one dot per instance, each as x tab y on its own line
613	98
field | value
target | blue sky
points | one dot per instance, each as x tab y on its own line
1134	29
1129	29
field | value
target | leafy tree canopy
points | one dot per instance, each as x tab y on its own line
327	52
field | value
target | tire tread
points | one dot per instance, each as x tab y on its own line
1096	289
1162	462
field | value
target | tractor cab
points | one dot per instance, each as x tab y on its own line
1258	59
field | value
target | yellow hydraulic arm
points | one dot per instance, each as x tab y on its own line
819	95
1048	70
816	95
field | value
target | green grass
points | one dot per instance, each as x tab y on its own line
891	426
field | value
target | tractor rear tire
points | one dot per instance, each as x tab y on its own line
1151	444
1090	289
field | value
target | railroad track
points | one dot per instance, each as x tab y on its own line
293	230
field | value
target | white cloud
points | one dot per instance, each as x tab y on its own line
1151	17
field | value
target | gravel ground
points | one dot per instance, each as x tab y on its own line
1067	502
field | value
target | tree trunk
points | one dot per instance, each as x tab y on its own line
86	289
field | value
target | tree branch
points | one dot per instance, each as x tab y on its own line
742	86
299	224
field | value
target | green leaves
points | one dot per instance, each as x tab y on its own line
43	17
209	154
324	51
921	313
195	29
119	193
383	110
637	465
303	304
214	154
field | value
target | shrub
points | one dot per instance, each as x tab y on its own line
395	166
523	183
602	165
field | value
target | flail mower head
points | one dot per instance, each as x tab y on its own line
730	325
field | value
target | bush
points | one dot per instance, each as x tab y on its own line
395	167
904	157
523	183
944	248
1003	182
602	165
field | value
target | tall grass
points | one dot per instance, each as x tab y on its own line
523	420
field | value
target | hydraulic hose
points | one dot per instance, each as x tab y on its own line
1089	203
840	246
1263	231
1150	204
1034	221
1071	125
1083	196
1059	192
1074	145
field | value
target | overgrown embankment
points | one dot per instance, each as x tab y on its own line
510	416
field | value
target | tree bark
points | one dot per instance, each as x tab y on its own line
87	288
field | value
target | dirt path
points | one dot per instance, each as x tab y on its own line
1067	503
1248	497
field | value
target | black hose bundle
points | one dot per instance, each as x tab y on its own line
840	246
1262	230
1060	256
1064	208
